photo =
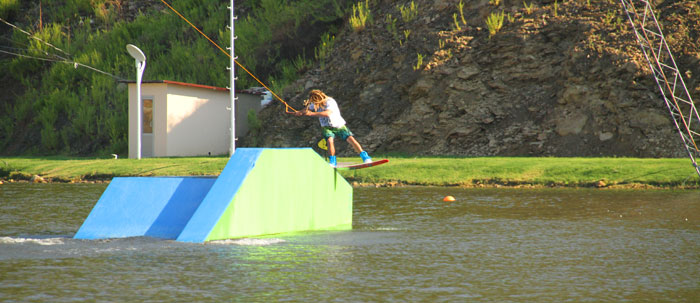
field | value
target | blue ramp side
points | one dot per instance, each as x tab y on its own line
220	195
145	206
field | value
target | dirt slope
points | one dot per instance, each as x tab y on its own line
564	82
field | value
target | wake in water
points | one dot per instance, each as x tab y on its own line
386	229
46	241
60	241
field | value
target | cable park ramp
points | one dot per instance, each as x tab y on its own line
261	191
668	78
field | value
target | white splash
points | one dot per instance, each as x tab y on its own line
248	241
387	228
47	241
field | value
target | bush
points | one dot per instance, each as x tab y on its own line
323	51
408	12
8	8
494	22
361	15
62	108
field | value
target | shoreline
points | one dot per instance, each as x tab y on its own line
629	186
451	172
36	179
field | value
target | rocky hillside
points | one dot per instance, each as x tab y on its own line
559	79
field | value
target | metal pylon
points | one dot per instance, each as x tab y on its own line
653	44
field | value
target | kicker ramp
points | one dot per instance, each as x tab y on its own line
145	206
261	191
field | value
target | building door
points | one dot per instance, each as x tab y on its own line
147	142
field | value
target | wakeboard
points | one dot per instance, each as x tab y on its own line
360	165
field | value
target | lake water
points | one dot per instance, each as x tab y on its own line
406	245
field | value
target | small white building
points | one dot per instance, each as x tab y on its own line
183	119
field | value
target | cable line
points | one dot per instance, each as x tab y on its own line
287	106
30	57
62	59
33	37
76	64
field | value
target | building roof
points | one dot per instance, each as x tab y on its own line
252	91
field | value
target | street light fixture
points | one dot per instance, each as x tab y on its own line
140	58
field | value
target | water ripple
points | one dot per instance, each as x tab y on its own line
248	242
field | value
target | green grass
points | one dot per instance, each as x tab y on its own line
531	171
433	171
78	169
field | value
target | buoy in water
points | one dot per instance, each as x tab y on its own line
448	199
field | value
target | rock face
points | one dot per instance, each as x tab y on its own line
570	83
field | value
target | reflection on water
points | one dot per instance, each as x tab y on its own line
406	245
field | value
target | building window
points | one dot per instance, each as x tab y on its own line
147	116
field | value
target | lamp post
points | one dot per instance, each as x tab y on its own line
140	58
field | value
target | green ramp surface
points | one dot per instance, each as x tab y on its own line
264	191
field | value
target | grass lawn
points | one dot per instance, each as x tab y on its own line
78	169
433	171
532	171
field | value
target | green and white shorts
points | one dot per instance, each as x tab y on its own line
331	132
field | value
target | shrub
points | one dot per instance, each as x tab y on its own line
408	12
323	50
361	15
454	18
391	26
461	12
528	8
494	22
419	62
254	126
61	108
8	8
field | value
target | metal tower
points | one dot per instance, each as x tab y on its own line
653	44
